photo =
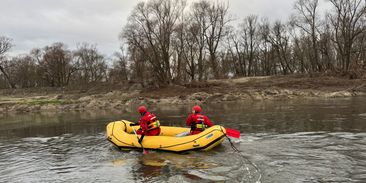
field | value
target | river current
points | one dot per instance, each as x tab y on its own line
281	141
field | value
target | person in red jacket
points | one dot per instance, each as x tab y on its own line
197	121
149	124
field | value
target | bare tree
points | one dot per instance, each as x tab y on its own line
5	46
280	41
360	54
249	35
119	71
308	21
218	20
23	71
192	52
90	63
166	43
265	48
178	43
235	51
150	29
197	30
326	48
55	64
348	22
138	52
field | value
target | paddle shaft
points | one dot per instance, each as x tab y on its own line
143	149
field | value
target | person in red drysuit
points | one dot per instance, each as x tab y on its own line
149	124
197	121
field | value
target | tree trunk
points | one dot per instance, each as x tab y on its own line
11	84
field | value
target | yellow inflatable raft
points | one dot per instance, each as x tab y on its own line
121	134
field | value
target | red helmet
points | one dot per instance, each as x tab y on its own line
197	108
142	109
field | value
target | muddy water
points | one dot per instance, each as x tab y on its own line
296	141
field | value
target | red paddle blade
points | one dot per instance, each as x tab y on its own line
146	151
232	133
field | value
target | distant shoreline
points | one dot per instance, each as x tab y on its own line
249	89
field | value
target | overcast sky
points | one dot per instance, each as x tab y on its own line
37	23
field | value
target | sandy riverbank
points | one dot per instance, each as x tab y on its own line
250	89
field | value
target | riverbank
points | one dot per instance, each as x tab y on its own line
249	89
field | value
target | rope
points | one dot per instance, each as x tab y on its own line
243	157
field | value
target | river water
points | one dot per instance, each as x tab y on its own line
282	141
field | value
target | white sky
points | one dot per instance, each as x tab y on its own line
37	23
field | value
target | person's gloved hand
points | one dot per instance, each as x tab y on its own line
193	126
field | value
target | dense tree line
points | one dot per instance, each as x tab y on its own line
57	66
171	41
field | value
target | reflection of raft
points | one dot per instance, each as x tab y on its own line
121	134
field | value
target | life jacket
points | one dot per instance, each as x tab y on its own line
199	123
152	123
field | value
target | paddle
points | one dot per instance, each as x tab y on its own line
143	149
232	133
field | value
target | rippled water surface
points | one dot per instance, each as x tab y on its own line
293	141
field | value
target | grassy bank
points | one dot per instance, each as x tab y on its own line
241	89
